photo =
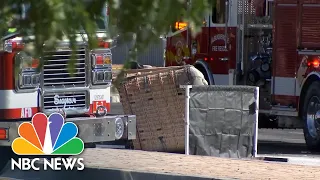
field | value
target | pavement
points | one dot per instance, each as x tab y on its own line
286	145
117	164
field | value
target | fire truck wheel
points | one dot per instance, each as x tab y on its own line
311	116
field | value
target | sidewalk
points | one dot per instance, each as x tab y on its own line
196	166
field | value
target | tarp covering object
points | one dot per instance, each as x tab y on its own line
223	121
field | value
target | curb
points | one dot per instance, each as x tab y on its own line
96	173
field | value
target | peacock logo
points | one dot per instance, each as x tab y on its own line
47	136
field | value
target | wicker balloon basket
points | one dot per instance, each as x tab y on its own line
155	97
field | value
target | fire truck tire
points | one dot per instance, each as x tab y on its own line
204	68
311	116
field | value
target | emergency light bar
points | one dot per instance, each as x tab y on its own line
101	62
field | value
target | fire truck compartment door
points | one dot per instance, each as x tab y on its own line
284	86
219	55
222	59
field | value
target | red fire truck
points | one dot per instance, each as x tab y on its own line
83	97
273	44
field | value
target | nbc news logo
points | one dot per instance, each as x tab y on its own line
49	137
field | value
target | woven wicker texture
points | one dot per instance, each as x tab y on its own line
156	99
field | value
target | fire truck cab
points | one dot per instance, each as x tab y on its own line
272	44
82	97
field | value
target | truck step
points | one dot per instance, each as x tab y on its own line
280	111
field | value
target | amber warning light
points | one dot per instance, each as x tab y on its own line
181	25
101	60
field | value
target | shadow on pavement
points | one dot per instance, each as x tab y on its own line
279	147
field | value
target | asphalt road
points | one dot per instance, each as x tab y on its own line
283	142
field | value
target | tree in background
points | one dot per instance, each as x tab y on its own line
50	20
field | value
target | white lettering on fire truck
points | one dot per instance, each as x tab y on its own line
98	97
221	38
58	100
219	48
26	112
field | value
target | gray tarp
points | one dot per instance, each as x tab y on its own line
222	120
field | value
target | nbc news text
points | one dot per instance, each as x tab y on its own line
55	164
